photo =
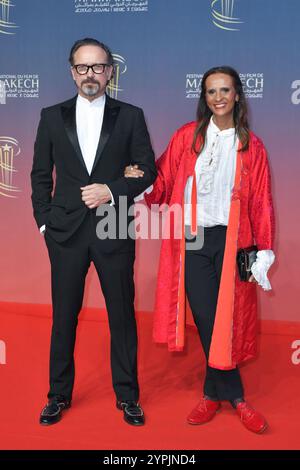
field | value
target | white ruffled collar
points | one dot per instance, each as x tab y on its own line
210	156
213	129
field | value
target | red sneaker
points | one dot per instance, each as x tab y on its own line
251	418
204	411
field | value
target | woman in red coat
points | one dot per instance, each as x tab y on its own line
216	170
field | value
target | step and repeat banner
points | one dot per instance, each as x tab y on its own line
162	49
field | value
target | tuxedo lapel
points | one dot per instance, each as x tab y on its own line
111	112
69	118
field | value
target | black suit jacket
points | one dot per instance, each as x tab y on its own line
124	140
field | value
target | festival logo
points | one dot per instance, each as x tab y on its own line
9	150
224	15
120	68
111	6
193	85
18	86
253	84
2	92
6	26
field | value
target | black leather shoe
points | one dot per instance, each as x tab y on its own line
133	413
52	412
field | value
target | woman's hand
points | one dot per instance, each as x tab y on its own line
252	278
133	172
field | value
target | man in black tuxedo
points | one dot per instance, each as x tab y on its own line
90	139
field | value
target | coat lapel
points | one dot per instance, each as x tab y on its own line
111	112
69	117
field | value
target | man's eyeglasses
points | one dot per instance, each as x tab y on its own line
83	69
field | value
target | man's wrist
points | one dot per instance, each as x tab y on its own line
112	203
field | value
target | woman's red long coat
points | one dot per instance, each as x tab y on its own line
251	221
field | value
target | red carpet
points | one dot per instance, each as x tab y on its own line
170	387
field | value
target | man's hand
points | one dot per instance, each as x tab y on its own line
133	172
95	194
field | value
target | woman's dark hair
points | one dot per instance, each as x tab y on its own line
90	42
239	112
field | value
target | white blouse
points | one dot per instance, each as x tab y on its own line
215	174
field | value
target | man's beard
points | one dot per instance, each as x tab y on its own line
89	90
